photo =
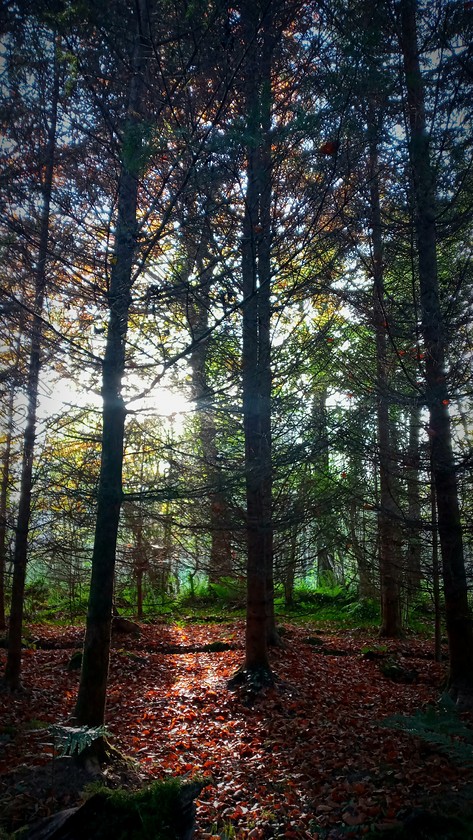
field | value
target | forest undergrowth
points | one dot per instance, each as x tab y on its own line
307	758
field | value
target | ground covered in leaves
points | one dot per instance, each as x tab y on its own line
307	758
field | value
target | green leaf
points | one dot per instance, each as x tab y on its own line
75	739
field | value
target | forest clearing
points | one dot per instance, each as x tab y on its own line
307	758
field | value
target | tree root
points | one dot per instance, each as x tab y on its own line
253	680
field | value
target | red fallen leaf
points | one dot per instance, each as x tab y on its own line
353	819
359	788
326	809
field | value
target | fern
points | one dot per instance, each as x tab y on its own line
441	726
75	739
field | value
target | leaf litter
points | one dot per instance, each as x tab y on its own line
305	758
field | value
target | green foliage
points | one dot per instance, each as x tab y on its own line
365	610
218	596
335	605
75	739
441	726
321	596
139	145
52	602
374	650
37	594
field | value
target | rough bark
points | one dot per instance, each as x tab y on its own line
220	561
457	613
255	364
414	548
290	568
20	554
323	513
263	242
5	480
389	546
90	706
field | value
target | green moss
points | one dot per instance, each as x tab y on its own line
34	724
152	813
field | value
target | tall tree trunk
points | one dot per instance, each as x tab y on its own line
289	567
254	378
90	706
367	574
263	241
5	481
325	561
457	613
389	546
435	573
414	547
220	562
6	470
20	555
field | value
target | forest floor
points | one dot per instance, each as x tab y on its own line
307	758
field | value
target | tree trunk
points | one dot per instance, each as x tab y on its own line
325	561
20	555
389	546
366	573
90	706
457	613
6	469
139	591
220	561
255	364
289	569
263	242
6	457
435	574
414	548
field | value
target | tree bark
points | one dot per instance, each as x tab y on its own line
256	367
457	613
263	243
6	470
220	561
91	700
389	545
414	548
20	555
323	514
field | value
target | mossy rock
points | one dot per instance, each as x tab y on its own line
396	672
133	657
75	661
374	652
164	810
125	626
314	640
